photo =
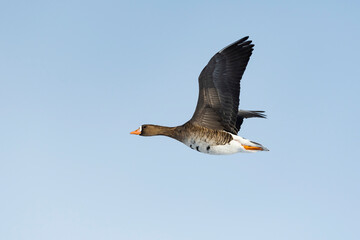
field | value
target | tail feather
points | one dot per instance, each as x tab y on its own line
254	145
250	146
259	145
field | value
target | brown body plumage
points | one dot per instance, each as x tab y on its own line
188	131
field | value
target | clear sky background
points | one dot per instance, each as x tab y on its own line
77	76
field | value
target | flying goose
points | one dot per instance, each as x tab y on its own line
216	121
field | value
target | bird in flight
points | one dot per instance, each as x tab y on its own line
217	120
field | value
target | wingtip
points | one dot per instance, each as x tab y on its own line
243	41
251	114
261	114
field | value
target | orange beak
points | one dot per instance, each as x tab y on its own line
136	132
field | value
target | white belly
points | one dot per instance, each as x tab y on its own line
230	148
234	146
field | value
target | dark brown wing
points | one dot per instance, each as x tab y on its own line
219	87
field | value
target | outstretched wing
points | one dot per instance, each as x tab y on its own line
219	87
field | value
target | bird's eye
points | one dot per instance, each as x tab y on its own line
144	126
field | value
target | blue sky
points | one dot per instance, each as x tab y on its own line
77	76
